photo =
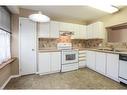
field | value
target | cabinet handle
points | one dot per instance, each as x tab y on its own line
33	49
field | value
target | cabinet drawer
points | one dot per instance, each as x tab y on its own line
82	64
82	55
83	58
69	67
82	51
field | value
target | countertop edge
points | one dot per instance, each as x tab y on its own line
81	49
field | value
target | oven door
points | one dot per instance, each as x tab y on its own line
69	56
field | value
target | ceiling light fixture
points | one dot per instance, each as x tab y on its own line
39	17
106	8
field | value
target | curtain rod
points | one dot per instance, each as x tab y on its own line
5	30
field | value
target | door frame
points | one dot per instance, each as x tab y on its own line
19	51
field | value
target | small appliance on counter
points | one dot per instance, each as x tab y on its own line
69	57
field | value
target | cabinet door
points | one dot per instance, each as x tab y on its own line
70	27
76	31
63	26
101	62
90	31
44	30
112	66
54	29
55	61
44	62
82	32
95	30
90	59
98	30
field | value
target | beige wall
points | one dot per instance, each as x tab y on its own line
113	19
27	12
7	71
13	68
14	42
15	34
119	35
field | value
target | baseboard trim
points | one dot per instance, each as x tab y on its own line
49	72
6	82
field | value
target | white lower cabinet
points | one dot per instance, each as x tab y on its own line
112	66
90	58
82	64
44	62
104	63
49	62
101	62
55	61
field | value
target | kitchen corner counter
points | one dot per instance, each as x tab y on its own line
108	51
80	49
105	51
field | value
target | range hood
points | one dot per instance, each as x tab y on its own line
66	33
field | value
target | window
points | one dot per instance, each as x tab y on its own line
4	46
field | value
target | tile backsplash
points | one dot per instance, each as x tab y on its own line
117	46
91	43
45	43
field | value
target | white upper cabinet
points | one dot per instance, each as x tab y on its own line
95	30
75	31
54	29
89	31
79	31
63	26
48	30
98	30
83	34
44	30
66	27
4	19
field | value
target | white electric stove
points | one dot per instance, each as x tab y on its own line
69	57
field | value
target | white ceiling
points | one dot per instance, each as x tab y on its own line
69	13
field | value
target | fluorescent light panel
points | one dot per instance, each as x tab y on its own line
105	8
106	5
